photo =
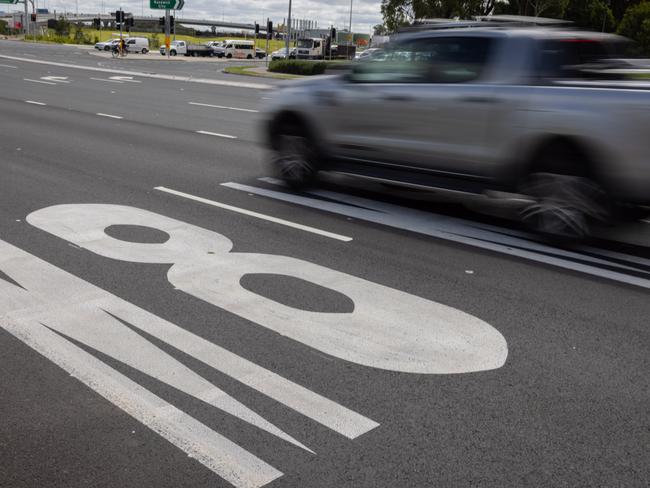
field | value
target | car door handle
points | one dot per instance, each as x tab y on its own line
477	99
398	98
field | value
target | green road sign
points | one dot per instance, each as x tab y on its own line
16	1
164	4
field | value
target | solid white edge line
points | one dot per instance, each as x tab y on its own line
8	66
158	76
107	80
223	107
250	213
109	116
216	134
39	81
35	103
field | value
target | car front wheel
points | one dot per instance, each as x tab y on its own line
295	159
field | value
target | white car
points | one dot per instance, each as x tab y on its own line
137	45
107	45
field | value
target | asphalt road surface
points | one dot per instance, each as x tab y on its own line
172	316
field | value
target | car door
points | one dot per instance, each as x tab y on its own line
425	105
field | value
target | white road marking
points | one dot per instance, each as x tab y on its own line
109	116
128	79
189	79
106	80
223	107
387	329
215	134
55	79
256	215
34	103
52	306
38	81
483	236
8	66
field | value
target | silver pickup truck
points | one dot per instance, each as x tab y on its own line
553	117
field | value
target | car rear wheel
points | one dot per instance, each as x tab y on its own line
229	55
145	50
172	53
249	56
295	159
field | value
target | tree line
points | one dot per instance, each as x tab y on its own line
630	18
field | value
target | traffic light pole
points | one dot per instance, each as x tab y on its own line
288	31
167	33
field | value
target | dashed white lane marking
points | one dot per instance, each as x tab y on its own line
257	215
32	102
128	79
106	80
235	84
223	107
8	66
215	134
39	81
109	116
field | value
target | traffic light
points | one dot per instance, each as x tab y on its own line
33	17
161	21
171	22
130	22
257	29
269	29
333	34
119	16
97	23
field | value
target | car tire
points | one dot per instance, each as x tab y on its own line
565	198
229	56
107	48
295	159
172	53
145	50
250	56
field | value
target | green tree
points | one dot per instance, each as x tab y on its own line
379	30
591	14
62	27
636	26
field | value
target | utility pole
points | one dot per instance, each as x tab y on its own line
25	21
350	28
174	24
288	29
167	33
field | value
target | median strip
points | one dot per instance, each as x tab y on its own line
215	134
109	116
250	213
223	107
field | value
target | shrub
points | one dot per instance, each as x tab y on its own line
297	67
636	25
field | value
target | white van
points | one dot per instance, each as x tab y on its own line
236	48
137	45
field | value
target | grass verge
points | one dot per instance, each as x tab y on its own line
246	71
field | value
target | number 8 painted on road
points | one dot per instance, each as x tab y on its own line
388	328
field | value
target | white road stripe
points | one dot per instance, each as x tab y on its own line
109	116
39	81
452	229
34	103
7	66
276	220
189	79
223	107
215	134
106	80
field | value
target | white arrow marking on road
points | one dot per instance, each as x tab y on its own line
125	78
55	79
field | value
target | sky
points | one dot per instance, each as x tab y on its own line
365	13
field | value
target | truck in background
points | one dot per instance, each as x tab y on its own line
185	49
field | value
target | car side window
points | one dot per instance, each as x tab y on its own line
429	60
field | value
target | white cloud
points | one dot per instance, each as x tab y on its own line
365	13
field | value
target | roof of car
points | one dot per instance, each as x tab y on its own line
501	31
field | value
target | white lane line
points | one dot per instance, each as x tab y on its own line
109	116
39	81
257	215
189	79
35	103
215	134
106	80
451	229
223	107
7	66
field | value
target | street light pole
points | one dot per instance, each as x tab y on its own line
350	27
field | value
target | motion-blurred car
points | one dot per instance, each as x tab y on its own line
373	52
260	53
541	117
282	54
